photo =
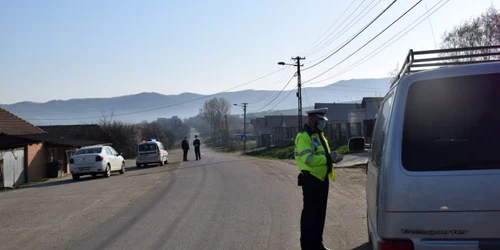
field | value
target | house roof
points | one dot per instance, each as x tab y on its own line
273	121
91	132
61	140
293	120
13	125
337	111
10	142
367	100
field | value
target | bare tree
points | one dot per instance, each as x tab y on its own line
393	74
483	30
213	113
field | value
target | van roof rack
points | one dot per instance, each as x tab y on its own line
446	57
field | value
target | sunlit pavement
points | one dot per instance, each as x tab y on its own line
221	202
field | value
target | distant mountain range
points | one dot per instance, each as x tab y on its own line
150	106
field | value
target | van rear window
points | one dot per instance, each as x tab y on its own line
147	147
452	124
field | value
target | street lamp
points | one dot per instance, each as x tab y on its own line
299	88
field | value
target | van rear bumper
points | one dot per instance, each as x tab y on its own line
440	227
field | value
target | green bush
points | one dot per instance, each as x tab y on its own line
275	153
344	149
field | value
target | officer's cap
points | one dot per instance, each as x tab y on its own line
320	113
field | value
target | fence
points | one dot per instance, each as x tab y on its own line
337	134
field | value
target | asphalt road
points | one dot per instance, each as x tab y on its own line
221	202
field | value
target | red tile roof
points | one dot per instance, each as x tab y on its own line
13	125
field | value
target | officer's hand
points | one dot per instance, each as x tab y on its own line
333	155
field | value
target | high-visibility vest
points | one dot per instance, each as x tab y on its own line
310	155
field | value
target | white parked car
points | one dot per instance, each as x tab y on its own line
151	152
96	160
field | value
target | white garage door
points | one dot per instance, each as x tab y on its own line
12	167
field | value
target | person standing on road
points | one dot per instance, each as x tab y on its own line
315	163
185	148
196	144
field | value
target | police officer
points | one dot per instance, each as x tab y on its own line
196	144
185	148
315	163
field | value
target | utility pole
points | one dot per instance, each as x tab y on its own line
244	137
245	126
227	132
299	90
299	87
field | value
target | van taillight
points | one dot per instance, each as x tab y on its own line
158	150
395	245
71	161
99	158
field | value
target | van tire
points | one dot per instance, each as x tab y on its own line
162	163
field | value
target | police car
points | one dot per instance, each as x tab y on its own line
151	152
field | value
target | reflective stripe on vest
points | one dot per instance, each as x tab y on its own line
311	147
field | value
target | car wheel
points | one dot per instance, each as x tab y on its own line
76	177
122	170
107	174
94	175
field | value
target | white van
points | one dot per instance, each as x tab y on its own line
151	152
433	177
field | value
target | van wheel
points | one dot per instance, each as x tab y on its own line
162	163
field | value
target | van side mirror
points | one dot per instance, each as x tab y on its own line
356	144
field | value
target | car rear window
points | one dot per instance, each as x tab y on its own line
147	147
452	124
83	151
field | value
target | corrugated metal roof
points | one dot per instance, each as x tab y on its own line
337	111
13	125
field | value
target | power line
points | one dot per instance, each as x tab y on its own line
386	44
326	31
354	37
276	105
161	107
280	81
415	5
335	30
348	26
307	98
279	93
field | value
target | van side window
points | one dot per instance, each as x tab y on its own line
381	126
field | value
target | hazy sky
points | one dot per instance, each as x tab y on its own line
94	48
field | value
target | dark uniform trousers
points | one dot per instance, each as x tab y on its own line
197	152
312	221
